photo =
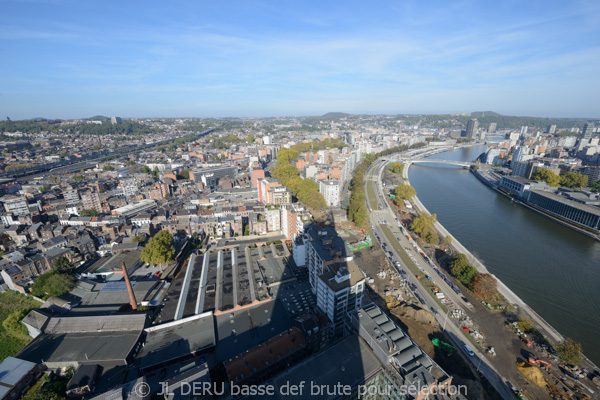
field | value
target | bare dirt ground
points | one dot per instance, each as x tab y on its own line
419	324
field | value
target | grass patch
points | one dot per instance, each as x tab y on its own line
411	265
372	196
10	302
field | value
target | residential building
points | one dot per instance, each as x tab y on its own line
129	186
16	205
331	192
256	175
91	200
273	216
279	196
339	290
71	197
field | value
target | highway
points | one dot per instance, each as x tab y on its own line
383	216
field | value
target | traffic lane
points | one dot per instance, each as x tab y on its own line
479	360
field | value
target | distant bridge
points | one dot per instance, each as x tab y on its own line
426	160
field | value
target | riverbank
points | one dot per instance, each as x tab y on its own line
548	330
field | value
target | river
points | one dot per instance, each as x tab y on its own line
551	267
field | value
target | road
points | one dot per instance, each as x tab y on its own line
383	216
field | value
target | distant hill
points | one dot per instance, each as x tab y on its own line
485	114
98	118
331	116
335	115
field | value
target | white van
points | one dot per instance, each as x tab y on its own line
469	351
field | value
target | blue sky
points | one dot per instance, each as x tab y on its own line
70	59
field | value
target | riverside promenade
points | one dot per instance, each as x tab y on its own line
548	330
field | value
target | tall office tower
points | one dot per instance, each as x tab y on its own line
588	128
523	130
492	128
520	153
551	129
472	128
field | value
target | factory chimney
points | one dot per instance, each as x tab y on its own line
132	299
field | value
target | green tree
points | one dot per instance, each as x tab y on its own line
51	284
546	175
525	324
138	238
155	173
423	226
146	170
78	178
595	186
130	163
396	167
406	192
88	212
570	351
159	249
108	168
286	156
13	323
62	265
462	270
458	263
573	180
447	240
250	139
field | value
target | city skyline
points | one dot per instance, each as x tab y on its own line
76	60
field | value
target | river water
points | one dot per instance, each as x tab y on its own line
551	267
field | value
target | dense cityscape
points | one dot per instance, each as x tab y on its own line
248	257
333	200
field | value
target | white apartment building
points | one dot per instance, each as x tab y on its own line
331	192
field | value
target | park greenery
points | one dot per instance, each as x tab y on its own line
306	190
404	192
396	167
319	145
595	186
14	305
108	168
357	209
57	282
88	212
570	351
462	270
572	180
423	226
159	249
78	178
52	283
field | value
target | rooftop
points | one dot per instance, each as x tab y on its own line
583	207
12	370
241	330
348	362
341	275
175	339
106	348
